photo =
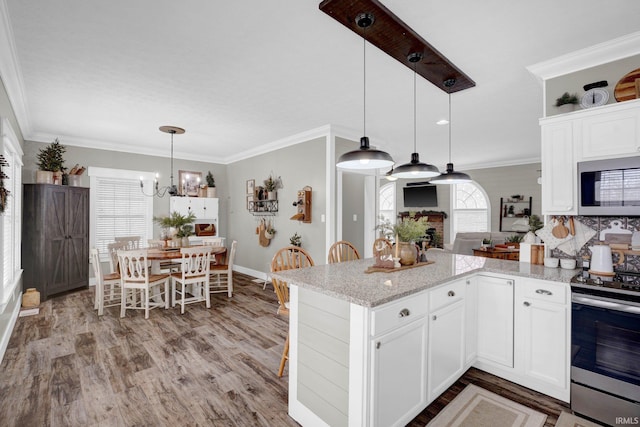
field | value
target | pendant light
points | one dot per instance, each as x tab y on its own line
415	168
365	157
451	176
172	190
389	175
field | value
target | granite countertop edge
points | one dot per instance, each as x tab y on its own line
347	281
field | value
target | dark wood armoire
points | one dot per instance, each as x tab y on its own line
55	238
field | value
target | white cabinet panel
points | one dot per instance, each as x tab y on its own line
471	320
495	320
446	347
204	208
612	134
559	169
399	374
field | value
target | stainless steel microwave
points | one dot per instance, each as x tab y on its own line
609	187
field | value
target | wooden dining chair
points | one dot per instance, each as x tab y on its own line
132	242
108	290
288	258
193	277
112	249
222	274
342	251
135	276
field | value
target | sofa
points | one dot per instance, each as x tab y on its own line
466	242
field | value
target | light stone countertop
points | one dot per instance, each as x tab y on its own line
348	281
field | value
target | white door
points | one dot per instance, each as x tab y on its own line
446	347
542	340
495	320
210	210
399	374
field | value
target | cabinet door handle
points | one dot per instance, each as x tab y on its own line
468	282
526	303
543	292
510	282
404	312
378	345
451	294
434	317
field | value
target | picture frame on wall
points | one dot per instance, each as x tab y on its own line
249	202
251	185
189	183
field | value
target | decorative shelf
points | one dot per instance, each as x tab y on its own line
263	207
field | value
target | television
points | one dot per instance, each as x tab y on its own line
424	196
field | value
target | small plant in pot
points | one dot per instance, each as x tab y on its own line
178	226
51	163
270	186
211	185
567	101
270	232
296	240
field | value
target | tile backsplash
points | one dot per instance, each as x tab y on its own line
631	262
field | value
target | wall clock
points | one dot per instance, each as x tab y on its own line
594	98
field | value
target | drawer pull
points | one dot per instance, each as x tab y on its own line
543	292
451	294
468	282
527	304
404	312
378	345
510	282
434	318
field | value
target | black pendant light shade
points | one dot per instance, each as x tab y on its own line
365	158
415	168
389	175
451	176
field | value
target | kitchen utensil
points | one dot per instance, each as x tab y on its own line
546	234
627	89
616	234
560	231
572	227
601	260
635	240
583	234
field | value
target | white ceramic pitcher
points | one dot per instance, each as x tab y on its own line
601	261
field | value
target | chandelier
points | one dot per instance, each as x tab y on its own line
172	190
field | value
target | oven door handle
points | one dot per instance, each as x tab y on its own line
607	303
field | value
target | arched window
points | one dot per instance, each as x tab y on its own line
470	208
387	202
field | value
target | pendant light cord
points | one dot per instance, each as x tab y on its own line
364	81
415	150
449	127
172	159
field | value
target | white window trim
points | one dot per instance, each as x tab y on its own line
9	140
147	179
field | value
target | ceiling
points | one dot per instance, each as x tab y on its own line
242	76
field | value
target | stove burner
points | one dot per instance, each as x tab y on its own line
627	282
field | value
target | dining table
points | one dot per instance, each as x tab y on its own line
159	255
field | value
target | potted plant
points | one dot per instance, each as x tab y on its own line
178	226
534	225
296	240
406	231
514	240
50	163
270	186
211	185
567	102
270	232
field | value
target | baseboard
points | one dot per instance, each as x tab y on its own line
251	272
6	333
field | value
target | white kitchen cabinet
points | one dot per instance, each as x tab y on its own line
495	320
399	362
471	321
559	169
542	311
611	133
446	337
204	208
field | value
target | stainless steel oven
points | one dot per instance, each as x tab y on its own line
605	350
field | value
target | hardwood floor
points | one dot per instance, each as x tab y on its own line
69	367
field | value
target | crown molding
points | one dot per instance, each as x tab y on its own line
10	72
609	51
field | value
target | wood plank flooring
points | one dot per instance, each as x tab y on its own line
69	367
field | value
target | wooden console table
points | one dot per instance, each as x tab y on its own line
499	253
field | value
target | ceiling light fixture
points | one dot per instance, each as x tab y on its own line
365	157
389	175
451	176
172	190
415	168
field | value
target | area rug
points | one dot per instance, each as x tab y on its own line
569	420
477	407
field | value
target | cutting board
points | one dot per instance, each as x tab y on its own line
628	86
616	234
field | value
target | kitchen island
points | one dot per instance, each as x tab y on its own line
375	349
